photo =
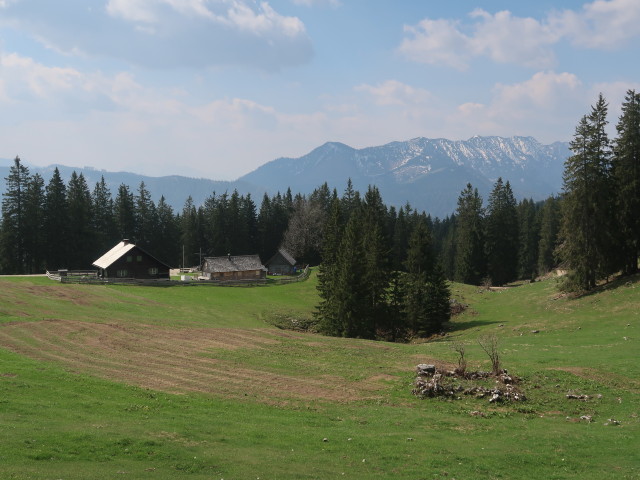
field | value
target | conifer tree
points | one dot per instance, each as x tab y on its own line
586	246
34	232
124	213
528	230
470	260
419	266
167	232
327	311
80	233
376	251
426	301
501	240
189	235
549	228
350	292
102	220
12	241
145	216
250	220
626	171
56	222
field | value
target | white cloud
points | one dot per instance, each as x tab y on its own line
311	3
545	106
600	24
167	33
393	92
437	42
505	38
508	39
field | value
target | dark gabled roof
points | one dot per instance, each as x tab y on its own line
232	263
286	255
117	252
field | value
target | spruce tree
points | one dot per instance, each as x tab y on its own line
350	294
502	235
419	265
12	241
56	223
376	252
189	233
34	239
102	220
124	213
470	260
528	230
80	233
626	171
327	311
426	291
549	228
145	216
167	232
586	246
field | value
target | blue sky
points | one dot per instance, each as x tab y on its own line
216	88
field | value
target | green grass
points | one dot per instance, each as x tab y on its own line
58	422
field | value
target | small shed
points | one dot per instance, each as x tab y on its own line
282	263
127	260
233	267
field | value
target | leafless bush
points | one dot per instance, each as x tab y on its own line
459	348
489	343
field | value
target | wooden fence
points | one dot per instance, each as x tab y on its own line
91	277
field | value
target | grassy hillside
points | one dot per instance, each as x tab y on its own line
191	382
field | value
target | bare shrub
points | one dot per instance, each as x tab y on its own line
489	343
459	348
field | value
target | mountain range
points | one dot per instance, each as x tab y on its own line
427	173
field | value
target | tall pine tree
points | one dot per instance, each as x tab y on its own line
12	241
586	247
470	260
502	235
56	223
626	171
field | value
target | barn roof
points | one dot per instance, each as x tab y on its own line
286	255
114	254
122	248
232	263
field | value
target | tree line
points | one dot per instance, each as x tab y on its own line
68	225
600	229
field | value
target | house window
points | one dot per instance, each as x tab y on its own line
153	271
129	258
139	258
122	273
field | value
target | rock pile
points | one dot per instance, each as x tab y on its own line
430	382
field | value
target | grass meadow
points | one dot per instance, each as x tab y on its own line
105	382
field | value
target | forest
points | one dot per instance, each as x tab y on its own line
376	261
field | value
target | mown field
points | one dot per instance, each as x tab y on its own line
108	382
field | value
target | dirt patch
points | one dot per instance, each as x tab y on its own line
177	360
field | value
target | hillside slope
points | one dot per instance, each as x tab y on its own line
191	382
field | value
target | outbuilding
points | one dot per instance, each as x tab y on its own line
282	263
233	267
127	260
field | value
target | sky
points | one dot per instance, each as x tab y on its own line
216	88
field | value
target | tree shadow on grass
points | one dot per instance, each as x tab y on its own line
621	281
459	326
